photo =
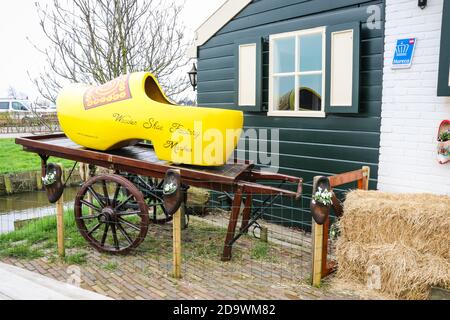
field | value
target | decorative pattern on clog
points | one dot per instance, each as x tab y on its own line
112	91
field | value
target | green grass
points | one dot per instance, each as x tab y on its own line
38	238
110	266
259	250
76	258
13	159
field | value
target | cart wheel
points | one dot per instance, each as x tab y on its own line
110	221
158	213
152	190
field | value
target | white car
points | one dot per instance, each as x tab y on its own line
13	105
16	108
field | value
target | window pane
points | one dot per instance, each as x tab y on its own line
310	52
284	95
18	106
4	105
284	55
310	93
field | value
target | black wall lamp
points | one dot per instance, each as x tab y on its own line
193	76
422	4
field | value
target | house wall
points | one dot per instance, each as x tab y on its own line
411	111
308	146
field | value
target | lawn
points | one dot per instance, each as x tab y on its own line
13	159
38	239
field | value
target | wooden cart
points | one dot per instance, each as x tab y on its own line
113	211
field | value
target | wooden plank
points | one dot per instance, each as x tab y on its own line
298	10
235	211
345	178
283	23
113	161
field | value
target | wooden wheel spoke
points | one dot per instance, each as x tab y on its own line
128	213
105	234
91	216
105	192
116	194
96	196
91	205
114	234
124	202
125	233
94	229
129	224
111	199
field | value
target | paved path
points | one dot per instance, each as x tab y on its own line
20	284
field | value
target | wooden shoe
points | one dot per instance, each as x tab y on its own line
320	211
133	107
56	188
173	193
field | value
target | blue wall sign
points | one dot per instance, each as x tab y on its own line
404	52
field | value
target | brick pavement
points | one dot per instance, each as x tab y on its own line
145	274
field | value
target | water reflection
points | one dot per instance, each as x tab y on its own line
29	205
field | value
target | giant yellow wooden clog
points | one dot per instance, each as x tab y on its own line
133	108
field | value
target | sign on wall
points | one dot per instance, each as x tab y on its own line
404	53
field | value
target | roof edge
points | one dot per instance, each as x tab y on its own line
218	20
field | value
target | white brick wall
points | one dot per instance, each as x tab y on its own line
411	111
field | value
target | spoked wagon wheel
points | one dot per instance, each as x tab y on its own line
152	189
107	218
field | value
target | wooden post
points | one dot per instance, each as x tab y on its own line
60	221
177	244
317	246
38	181
264	235
85	177
8	184
366	170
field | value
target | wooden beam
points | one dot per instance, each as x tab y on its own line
345	178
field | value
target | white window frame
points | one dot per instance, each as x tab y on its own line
296	113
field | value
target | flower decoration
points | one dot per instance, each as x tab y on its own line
323	197
49	178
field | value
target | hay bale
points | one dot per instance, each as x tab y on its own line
421	221
406	235
405	272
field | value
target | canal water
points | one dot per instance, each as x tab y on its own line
30	205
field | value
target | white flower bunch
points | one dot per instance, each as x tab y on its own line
323	197
169	188
49	178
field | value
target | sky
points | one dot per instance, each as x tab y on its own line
19	21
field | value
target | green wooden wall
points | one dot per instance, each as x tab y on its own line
308	146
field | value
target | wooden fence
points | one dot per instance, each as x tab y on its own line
321	266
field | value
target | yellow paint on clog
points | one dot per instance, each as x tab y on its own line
133	107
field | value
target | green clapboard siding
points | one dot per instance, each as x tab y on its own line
308	146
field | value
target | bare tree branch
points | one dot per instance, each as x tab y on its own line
97	41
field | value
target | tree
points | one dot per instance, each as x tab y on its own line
97	41
13	93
